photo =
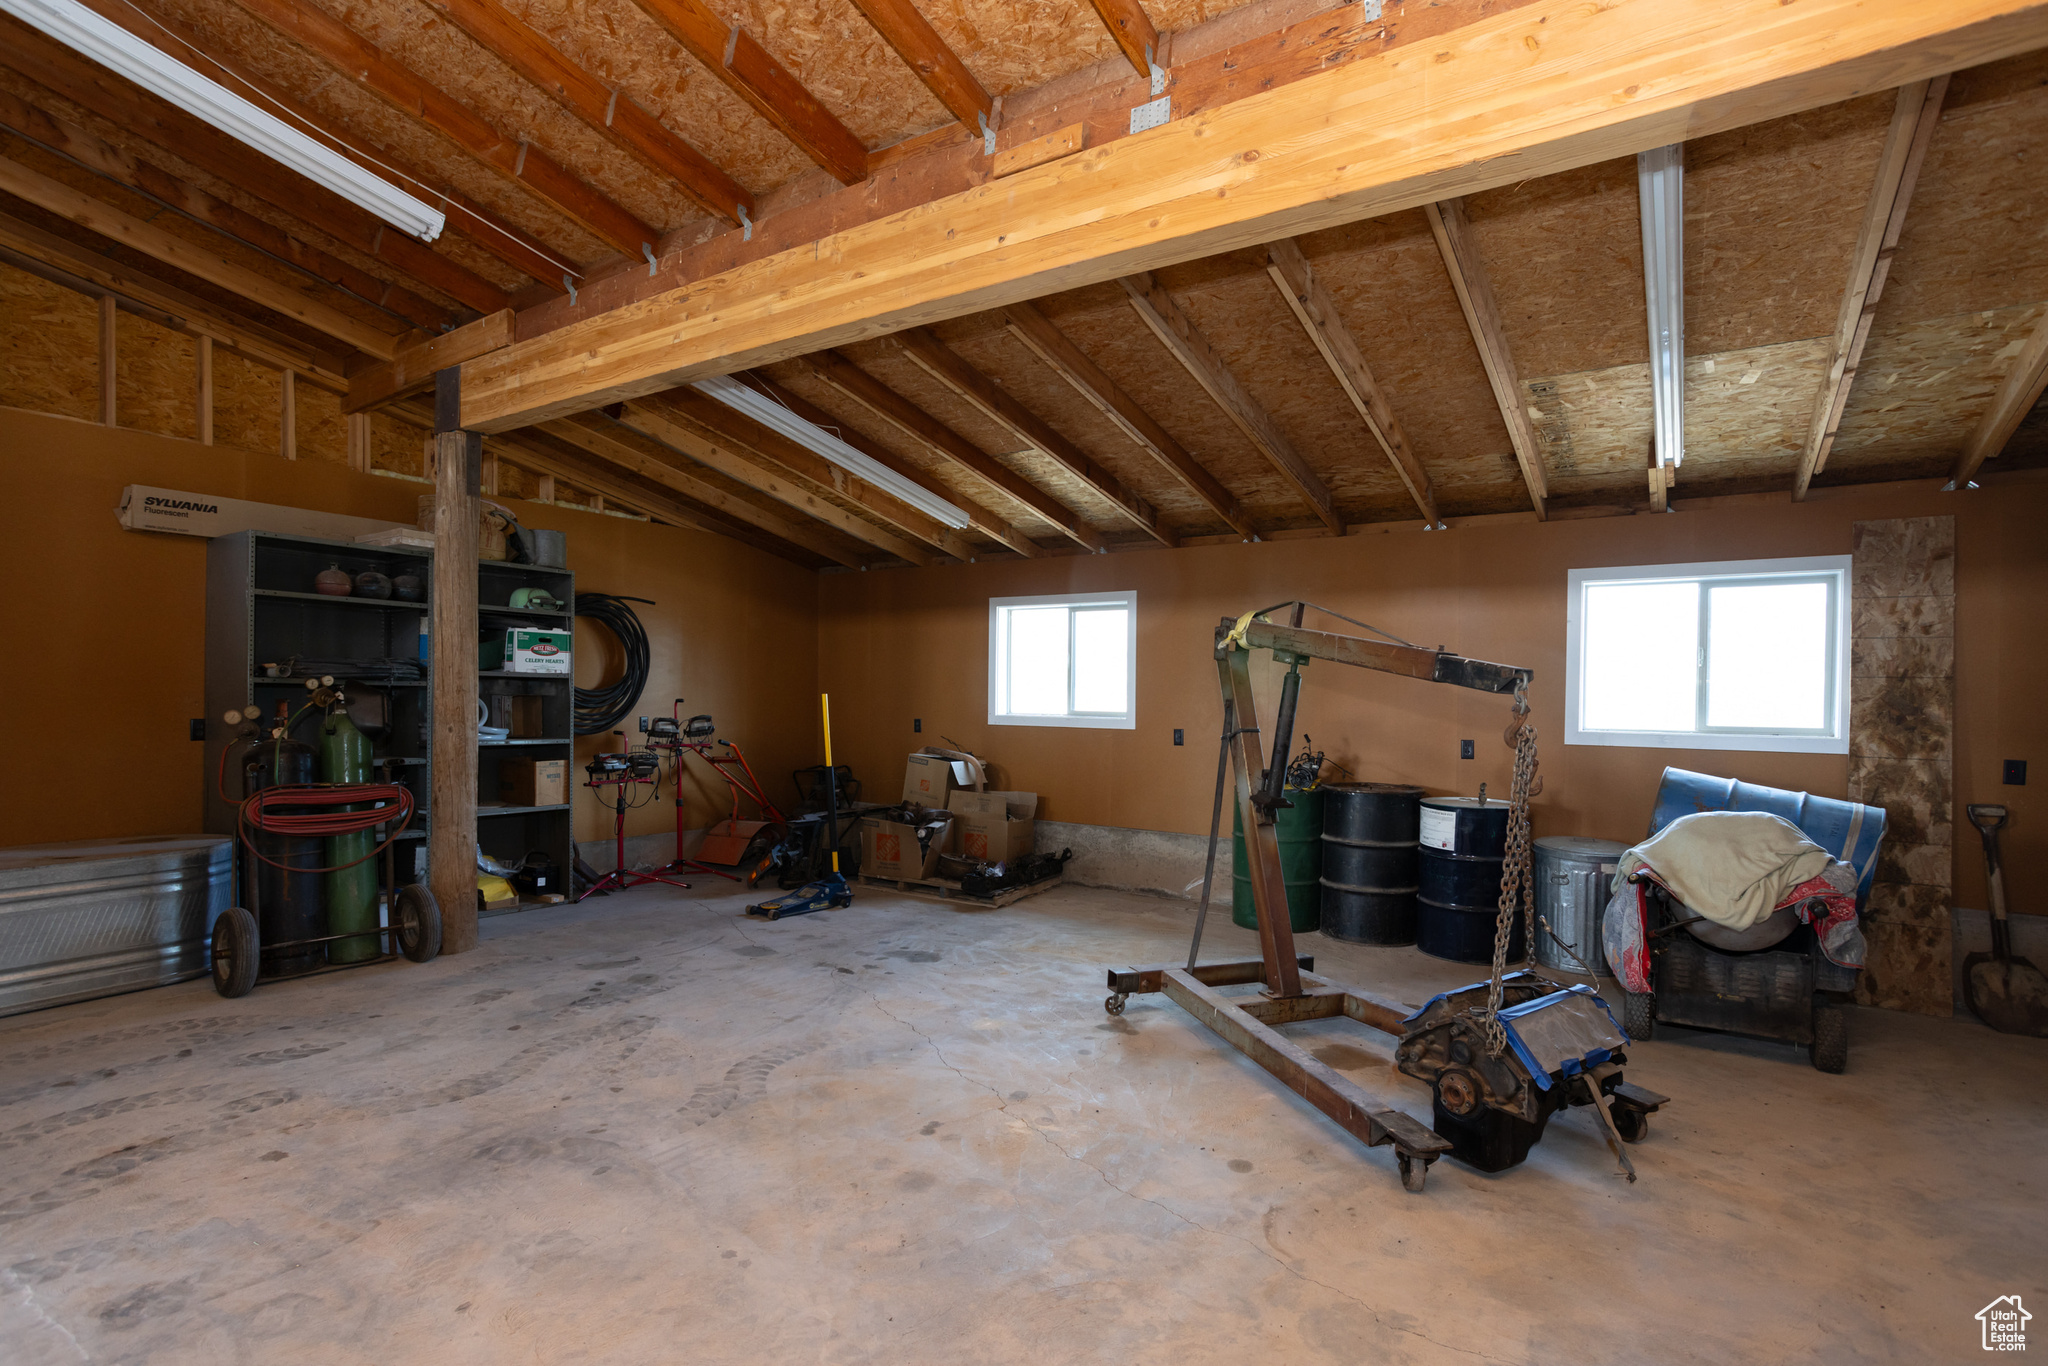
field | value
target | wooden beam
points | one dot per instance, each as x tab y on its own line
733	55
1914	115
362	447
891	509
937	436
1467	269
145	116
110	370
300	305
287	417
1534	91
1045	340
1317	313
610	112
2018	391
946	366
125	168
185	312
1179	335
519	162
628	450
205	395
1132	29
670	420
411	370
451	607
878	398
937	65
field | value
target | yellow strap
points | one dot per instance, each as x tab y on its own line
1235	640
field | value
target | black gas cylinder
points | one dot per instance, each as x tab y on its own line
1369	862
282	886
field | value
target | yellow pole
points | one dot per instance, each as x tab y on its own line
825	710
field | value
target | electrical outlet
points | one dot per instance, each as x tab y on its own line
198	730
917	725
2015	771
1464	749
1180	737
643	725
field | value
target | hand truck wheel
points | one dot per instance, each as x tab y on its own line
237	954
1115	1004
418	917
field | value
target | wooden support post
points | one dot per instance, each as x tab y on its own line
451	827
288	415
205	390
489	482
361	443
545	490
109	311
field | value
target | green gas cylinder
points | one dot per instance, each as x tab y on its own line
351	891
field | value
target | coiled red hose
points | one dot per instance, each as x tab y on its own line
381	802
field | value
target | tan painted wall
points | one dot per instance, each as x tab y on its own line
913	643
108	625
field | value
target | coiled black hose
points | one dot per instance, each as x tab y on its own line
598	710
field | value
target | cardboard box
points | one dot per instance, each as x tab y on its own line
994	826
525	650
889	849
533	782
933	773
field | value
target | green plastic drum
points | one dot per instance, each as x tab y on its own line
1300	828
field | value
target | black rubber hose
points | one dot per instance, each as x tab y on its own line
599	710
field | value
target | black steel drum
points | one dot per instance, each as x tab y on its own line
1463	842
1369	862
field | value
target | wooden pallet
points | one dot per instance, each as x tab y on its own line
948	891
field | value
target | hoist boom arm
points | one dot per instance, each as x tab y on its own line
1413	661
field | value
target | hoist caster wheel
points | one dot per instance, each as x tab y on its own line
1115	1004
1414	1172
1632	1125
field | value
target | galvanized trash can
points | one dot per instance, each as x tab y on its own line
1573	873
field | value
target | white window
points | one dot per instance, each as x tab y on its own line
1069	660
1741	654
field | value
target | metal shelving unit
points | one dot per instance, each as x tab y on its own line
261	609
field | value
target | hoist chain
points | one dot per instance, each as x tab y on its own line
1517	883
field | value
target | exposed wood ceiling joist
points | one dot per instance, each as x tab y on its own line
1045	340
1133	31
733	55
519	162
939	361
1179	335
125	168
1914	119
670	419
412	369
611	113
2017	393
252	339
149	119
907	31
1467	271
95	215
1380	133
899	412
1317	313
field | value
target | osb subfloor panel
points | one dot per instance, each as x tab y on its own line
646	1130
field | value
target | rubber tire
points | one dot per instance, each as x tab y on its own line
1114	1004
1829	1050
1632	1125
418	917
1638	1015
1414	1173
237	952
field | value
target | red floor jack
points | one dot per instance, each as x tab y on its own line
623	771
728	841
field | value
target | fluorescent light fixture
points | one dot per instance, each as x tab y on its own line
809	435
121	52
1660	180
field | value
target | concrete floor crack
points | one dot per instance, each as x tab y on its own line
1002	1104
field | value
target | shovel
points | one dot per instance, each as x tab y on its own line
2008	993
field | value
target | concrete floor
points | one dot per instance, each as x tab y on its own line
647	1130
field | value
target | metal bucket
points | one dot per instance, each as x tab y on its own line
1300	832
1572	877
1462	842
1369	862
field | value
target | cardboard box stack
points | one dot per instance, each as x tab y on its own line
994	826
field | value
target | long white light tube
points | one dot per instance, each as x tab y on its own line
121	52
1660	182
775	417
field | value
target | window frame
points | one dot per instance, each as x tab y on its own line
998	643
1834	739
